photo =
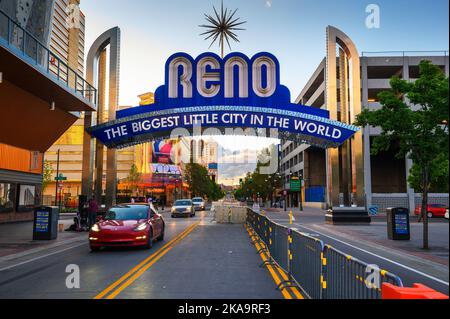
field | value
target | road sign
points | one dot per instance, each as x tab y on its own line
295	184
60	177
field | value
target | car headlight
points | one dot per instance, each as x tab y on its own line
173	209
188	209
95	228
141	227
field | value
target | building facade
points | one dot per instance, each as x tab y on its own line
36	83
384	177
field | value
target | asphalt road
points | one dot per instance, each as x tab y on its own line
197	259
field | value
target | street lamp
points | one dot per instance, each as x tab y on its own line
301	194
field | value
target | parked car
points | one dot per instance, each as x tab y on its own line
434	210
446	213
199	203
127	225
183	208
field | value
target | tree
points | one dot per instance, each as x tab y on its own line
422	133
200	184
255	183
438	177
134	178
46	175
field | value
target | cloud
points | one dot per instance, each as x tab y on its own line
268	3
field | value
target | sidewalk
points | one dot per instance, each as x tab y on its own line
16	239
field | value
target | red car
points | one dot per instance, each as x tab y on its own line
127	225
434	210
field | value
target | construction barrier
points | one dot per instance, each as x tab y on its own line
418	291
319	270
306	264
229	214
278	245
349	278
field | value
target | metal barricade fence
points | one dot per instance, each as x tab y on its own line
321	271
306	265
346	277
278	246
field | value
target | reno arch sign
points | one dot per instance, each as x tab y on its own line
228	95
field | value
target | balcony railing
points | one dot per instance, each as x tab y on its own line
405	53
23	44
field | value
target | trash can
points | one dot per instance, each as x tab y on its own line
45	226
398	223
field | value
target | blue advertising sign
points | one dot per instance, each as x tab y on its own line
210	92
401	223
42	221
213	166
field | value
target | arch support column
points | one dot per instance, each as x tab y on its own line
345	165
109	38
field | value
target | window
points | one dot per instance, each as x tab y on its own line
34	163
7	193
27	198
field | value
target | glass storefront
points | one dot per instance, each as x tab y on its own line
7	194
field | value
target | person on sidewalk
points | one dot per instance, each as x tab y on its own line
92	212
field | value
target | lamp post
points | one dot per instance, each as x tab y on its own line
301	194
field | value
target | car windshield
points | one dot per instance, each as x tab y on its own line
128	212
197	200
183	203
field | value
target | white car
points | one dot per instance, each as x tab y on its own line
446	213
199	203
183	208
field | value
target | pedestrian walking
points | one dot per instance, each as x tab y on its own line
92	212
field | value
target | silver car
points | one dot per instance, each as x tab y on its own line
183	208
199	203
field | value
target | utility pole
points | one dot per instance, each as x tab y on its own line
56	179
301	193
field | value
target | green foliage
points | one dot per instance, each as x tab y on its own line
134	178
438	177
200	184
46	175
255	183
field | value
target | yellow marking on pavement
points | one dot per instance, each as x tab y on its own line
136	268
272	272
293	289
147	266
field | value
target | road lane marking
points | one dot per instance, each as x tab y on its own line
273	273
40	257
148	265
143	263
378	256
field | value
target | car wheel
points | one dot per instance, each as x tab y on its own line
149	240
161	237
430	215
94	248
173	216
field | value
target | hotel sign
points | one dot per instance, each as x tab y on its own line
213	93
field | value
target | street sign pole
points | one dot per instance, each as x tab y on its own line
56	180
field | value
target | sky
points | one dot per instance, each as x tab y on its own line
293	30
